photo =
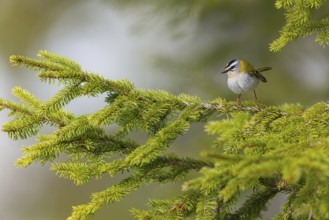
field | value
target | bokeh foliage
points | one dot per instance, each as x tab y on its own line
302	18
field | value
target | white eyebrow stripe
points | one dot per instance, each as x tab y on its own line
231	64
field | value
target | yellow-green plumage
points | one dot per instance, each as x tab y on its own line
244	66
249	69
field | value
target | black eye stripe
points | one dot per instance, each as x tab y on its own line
231	64
232	61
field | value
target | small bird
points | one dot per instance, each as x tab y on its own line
242	77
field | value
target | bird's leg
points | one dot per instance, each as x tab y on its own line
238	99
256	100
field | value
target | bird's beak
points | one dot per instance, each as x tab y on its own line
225	71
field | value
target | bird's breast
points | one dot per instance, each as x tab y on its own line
242	82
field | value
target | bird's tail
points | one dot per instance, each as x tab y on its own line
264	69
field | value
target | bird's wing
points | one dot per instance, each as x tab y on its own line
258	75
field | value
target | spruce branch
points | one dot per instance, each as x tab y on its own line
26	97
177	208
252	207
110	195
300	22
263	150
15	108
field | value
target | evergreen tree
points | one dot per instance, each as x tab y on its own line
263	150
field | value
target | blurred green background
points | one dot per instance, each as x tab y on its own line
179	46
